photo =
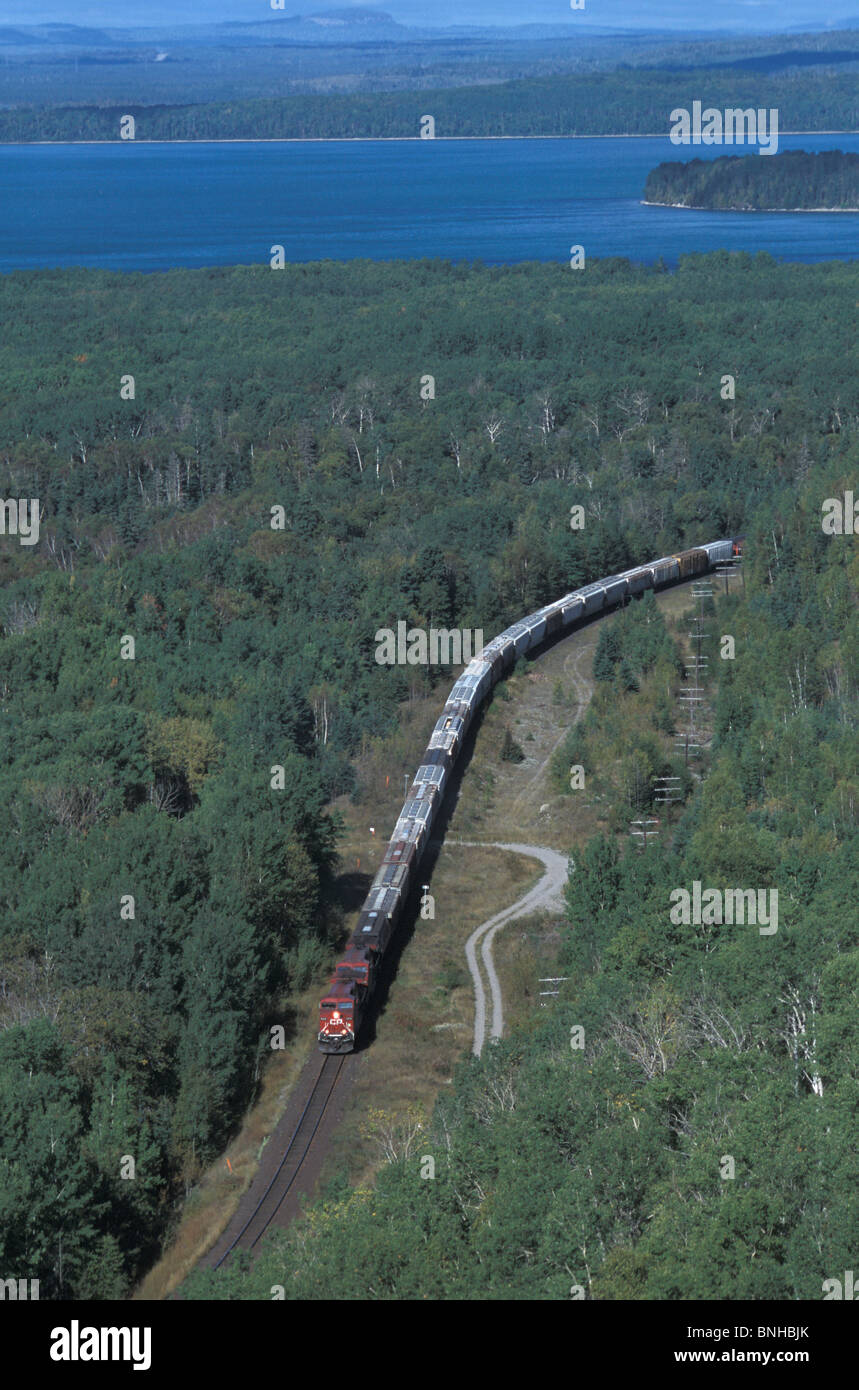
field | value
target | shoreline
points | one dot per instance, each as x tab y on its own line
699	207
382	140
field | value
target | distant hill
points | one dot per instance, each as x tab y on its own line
326	26
341	53
779	62
57	35
70	35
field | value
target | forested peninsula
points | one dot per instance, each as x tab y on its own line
793	181
616	103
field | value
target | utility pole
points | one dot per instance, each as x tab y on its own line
668	790
727	569
692	696
644	832
684	743
697	636
551	993
701	591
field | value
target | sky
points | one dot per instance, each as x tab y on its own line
748	15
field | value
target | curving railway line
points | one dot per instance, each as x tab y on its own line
344	1006
346	1001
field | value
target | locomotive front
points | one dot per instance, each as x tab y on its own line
338	1018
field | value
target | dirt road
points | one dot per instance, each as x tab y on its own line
547	894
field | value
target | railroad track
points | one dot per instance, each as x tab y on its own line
269	1203
414	827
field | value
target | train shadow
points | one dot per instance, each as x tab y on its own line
349	890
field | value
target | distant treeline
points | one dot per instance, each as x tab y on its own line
793	179
628	101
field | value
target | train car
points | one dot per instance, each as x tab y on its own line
463	697
637	581
377	920
593	596
615	589
495	661
425	802
459	707
535	624
357	963
400	851
554	620
436	757
442	746
414	821
429	775
392	876
429	785
719	550
572	607
501	649
519	635
448	731
664	571
478	673
415	834
692	562
341	1009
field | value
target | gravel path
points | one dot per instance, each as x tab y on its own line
548	893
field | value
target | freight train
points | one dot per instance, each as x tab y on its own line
345	1001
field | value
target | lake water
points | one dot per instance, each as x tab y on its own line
151	207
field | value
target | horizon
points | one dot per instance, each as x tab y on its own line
733	16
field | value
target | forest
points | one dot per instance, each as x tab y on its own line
680	1124
160	899
635	101
791	179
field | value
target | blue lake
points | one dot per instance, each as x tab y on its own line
151	207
